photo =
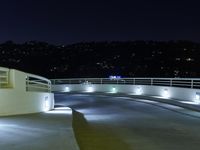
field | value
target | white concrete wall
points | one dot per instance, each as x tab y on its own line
173	92
16	100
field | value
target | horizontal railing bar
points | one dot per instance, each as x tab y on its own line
28	81
181	84
37	83
38	77
131	78
37	87
161	84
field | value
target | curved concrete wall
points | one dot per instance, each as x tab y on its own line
15	99
185	94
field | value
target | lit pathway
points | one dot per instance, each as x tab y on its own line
52	131
109	123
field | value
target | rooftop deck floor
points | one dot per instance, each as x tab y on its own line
42	131
104	122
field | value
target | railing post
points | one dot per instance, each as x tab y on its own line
101	80
133	81
151	81
49	86
192	83
170	82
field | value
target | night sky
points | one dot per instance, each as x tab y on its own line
71	21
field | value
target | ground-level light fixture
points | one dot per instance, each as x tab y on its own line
46	103
138	91
197	98
165	93
67	89
89	89
114	90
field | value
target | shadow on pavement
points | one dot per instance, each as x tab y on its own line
94	137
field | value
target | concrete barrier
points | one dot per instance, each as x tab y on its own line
17	98
182	94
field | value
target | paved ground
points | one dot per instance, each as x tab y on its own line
121	123
43	131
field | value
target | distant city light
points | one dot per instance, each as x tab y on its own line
115	77
105	62
189	59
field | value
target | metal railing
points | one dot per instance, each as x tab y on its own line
4	77
37	83
172	82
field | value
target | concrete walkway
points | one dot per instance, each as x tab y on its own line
103	122
43	131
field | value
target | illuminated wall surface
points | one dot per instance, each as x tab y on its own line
16	99
187	94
